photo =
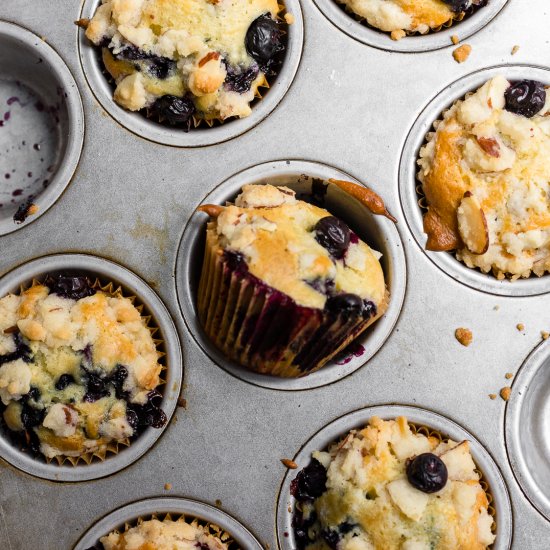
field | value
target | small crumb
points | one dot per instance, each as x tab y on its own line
82	23
493	395
289	509
167	486
182	402
398	34
509	375
515	49
545	335
505	393
454	39
289	463
520	326
218	503
496	308
464	336
289	18
462	53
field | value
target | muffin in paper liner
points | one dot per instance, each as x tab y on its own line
311	483
281	330
483	242
107	447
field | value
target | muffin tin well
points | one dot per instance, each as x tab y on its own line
408	182
106	271
377	231
176	507
332	432
41	125
151	130
527	428
360	30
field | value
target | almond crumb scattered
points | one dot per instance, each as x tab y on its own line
509	375
182	402
496	308
515	49
82	23
545	335
462	53
167	486
520	326
289	463
505	393
398	34
454	39
464	336
289	18
493	395
218	503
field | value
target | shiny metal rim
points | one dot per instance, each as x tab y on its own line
339	427
61	74
417	43
199	137
407	182
174	372
193	508
189	258
522	411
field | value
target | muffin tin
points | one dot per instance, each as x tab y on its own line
350	108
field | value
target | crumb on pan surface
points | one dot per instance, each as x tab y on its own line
464	336
485	173
462	53
358	495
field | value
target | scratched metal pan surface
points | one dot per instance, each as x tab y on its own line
351	107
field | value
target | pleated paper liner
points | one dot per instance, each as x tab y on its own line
210	528
212	120
261	328
113	447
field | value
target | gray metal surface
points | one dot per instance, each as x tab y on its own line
350	106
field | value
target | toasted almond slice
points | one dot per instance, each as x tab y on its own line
472	225
459	462
440	236
409	500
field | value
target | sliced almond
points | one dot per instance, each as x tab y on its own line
440	236
409	500
472	225
459	462
489	145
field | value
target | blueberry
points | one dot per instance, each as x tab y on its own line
301	527
63	381
177	110
427	472
34	394
160	67
235	261
149	414
117	379
31	417
324	286
369	309
334	235
96	387
458	5
239	79
345	305
332	538
263	39
131	53
66	286
22	351
525	97
132	418
310	483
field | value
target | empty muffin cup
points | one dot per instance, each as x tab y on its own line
439	429
41	126
305	178
214	521
145	398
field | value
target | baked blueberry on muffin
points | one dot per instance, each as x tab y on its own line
163	535
411	16
189	60
485	174
285	285
387	487
78	369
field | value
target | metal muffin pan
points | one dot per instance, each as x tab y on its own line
132	285
363	32
377	231
350	106
41	124
190	509
408	182
149	129
337	429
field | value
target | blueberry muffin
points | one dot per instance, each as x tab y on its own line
189	60
285	285
485	173
78	370
163	535
410	16
388	487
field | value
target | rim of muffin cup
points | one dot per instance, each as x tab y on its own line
525	419
377	231
151	130
420	418
410	187
132	286
206	514
29	50
357	28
